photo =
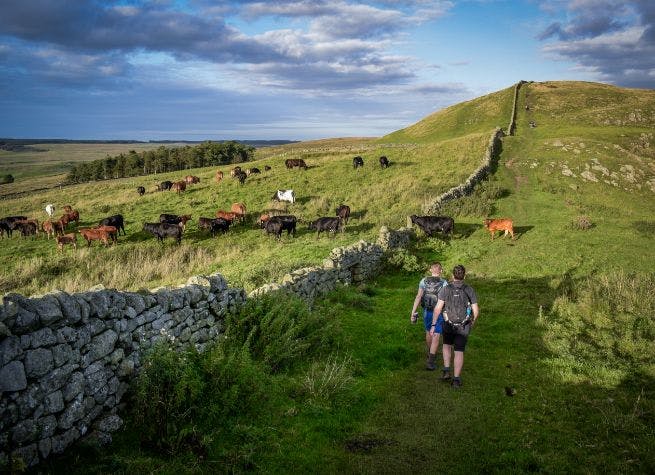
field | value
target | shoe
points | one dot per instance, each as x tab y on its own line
430	365
445	375
457	383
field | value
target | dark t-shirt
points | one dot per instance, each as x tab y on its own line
458	284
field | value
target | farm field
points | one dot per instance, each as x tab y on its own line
559	374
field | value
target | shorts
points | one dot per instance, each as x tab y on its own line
452	337
427	322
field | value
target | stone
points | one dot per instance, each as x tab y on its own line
126	368
10	349
74	387
43	337
70	307
57	378
110	423
47	308
136	302
47	426
53	402
98	301
83	337
63	354
26	321
66	335
24	431
38	362
73	413
29	402
61	442
116	356
103	344
45	446
85	308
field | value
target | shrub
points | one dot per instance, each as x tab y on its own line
402	259
479	203
326	380
4	179
582	223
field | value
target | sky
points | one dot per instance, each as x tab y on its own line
295	70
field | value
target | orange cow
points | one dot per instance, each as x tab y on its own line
95	235
240	210
503	224
227	216
219	176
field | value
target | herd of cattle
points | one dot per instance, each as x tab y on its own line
173	226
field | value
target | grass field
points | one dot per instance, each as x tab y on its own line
566	327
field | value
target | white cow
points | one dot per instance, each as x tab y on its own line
50	209
284	195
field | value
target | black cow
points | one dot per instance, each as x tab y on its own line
115	221
4	228
164	230
241	176
343	212
26	229
8	224
384	162
267	168
331	225
253	171
273	226
358	162
140	190
165	185
287	223
214	225
433	224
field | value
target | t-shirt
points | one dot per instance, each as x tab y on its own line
473	298
421	284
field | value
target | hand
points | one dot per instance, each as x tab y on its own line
414	317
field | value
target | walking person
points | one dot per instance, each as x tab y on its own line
428	290
460	312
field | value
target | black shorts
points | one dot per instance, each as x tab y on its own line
454	338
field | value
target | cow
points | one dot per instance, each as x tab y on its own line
214	225
116	221
284	195
331	225
241	176
288	222
50	210
90	234
433	224
219	176
252	171
8	225
502	224
175	219
66	239
234	171
73	215
358	162
178	186
267	168
384	162
295	162
164	230
4	228
26	228
112	230
226	215
49	228
68	209
273	226
343	212
165	185
140	190
191	180
240	210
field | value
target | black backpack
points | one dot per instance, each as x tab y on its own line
432	287
457	304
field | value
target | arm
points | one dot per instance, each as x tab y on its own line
476	312
417	301
437	310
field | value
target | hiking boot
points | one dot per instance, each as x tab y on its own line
445	375
430	365
457	383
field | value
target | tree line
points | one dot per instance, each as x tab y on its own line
161	160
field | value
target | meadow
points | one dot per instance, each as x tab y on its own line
559	374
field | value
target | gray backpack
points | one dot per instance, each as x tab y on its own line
432	287
457	308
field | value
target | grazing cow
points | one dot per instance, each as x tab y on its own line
178	186
165	185
66	239
284	195
241	176
503	224
214	225
27	228
112	230
288	224
90	234
164	230
267	168
234	171
73	215
358	162
273	226
48	228
384	162
9	225
175	219
50	210
331	225
252	171
116	221
4	228
295	162
240	210
433	224
343	212
219	176
190	179
140	190
227	216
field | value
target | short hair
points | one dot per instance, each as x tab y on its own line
459	272
436	264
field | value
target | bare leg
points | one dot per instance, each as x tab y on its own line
459	362
447	352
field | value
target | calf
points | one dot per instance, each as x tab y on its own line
384	162
284	195
219	176
165	185
343	212
273	226
112	230
116	221
164	230
266	168
48	228
8	223
73	215
330	225
241	176
50	210
234	171
178	187
95	235
141	190
66	239
358	162
503	224
191	180
433	224
252	171
295	162
175	219
27	228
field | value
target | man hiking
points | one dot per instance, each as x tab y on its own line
460	312
428	289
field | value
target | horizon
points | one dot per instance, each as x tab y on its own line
200	70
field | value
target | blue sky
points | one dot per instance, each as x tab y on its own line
200	69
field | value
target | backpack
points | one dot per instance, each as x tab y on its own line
432	287
457	308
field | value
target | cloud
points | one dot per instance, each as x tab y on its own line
614	39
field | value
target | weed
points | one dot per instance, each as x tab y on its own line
582	223
325	380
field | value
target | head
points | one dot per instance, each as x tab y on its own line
459	272
436	269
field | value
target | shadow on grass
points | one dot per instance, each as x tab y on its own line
362	227
519	231
464	230
358	214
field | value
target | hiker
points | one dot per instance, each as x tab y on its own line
460	309
428	289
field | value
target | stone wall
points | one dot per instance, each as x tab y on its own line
66	359
512	120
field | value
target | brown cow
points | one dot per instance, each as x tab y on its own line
219	176
190	179
18	225
67	209
262	219
73	215
112	230
226	215
95	235
240	210
178	186
66	239
48	228
503	224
